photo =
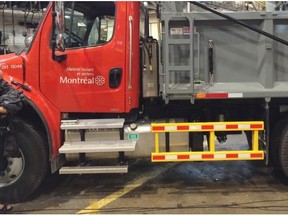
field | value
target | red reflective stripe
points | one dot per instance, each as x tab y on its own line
159	157
185	127
217	95
158	128
207	127
231	155
232	126
183	157
208	156
256	126
256	155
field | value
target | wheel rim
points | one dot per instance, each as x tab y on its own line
13	170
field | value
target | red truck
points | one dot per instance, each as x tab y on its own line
100	90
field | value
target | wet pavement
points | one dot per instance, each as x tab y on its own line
245	187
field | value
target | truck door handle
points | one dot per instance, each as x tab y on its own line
115	76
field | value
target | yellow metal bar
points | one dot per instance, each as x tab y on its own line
207	156
157	148
212	141
207	126
262	3
255	140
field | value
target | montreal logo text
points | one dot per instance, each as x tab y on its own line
98	80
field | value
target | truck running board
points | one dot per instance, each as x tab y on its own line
94	169
91	124
98	146
95	144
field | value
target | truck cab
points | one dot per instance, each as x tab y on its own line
95	74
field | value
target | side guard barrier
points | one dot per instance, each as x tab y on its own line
211	154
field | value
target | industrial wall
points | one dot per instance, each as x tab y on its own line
15	25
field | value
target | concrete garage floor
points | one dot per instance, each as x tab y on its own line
219	187
202	187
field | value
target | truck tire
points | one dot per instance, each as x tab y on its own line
279	146
24	175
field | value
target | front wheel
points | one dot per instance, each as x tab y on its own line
21	176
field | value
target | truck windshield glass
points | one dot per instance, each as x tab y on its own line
88	23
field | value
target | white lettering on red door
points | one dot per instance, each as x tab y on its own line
84	76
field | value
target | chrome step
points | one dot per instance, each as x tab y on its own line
98	146
91	124
94	169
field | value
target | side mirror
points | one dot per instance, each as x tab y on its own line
59	21
58	30
28	40
59	24
60	44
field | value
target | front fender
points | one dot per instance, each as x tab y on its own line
50	117
13	68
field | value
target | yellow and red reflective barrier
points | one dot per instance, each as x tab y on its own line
211	155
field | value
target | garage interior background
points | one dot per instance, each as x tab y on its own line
19	19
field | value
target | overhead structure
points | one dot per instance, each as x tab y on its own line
17	19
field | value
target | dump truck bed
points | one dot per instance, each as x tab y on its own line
245	64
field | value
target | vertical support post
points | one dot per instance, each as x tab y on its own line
121	158
82	156
212	141
267	129
157	149
255	140
266	60
167	141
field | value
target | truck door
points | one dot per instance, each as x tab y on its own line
92	77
